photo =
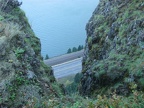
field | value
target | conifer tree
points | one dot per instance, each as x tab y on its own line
47	57
69	51
74	49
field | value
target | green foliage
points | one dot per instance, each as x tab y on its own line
71	88
71	83
77	78
20	79
69	51
57	89
117	62
73	101
15	84
80	47
123	30
47	57
90	40
69	78
19	51
74	49
141	82
133	101
1	18
76	105
9	5
46	68
99	18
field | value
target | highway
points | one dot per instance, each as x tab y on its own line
67	68
66	64
64	58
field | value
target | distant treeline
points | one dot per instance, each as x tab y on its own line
46	57
70	50
74	49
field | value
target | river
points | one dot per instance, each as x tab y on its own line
60	24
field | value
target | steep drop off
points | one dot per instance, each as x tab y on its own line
114	52
24	78
113	64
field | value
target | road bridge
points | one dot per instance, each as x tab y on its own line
64	58
67	64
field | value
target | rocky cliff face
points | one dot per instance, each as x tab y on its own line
24	78
114	52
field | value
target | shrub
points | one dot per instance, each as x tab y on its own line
135	100
8	5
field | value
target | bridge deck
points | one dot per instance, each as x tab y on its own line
63	58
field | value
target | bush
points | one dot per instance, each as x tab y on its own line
115	101
8	5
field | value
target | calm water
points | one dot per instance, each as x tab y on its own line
60	24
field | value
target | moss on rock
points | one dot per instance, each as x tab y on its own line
24	78
114	50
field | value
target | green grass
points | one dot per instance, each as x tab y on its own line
66	79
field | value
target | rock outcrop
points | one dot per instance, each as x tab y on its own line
24	79
114	52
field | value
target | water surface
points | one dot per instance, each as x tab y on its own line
60	24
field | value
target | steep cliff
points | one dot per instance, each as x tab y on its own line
24	78
113	62
114	51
